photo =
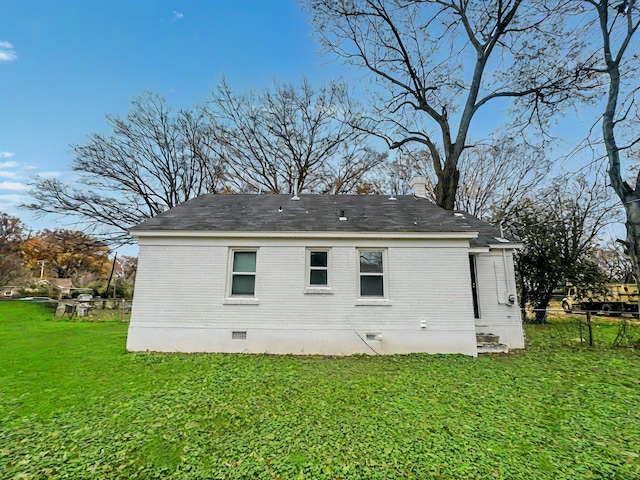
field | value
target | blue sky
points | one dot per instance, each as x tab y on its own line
64	64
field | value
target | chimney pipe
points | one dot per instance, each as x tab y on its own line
419	187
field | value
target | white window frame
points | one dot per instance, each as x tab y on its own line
241	299
373	300
309	288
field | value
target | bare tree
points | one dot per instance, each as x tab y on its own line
493	176
395	176
613	261
617	25
277	138
126	268
439	62
152	160
12	266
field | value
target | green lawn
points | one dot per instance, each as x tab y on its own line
74	404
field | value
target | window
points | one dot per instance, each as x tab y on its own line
317	268
371	272
243	273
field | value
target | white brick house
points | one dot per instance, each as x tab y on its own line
321	274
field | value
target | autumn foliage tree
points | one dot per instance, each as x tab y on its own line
66	254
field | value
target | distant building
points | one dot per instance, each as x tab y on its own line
61	285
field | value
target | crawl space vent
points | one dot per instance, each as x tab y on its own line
239	335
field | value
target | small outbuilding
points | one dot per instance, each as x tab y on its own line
60	287
321	274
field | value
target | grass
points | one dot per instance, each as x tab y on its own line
74	404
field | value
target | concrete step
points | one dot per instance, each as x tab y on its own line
487	338
484	347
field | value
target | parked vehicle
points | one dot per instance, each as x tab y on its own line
616	298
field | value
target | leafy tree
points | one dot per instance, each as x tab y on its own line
558	226
152	160
291	135
12	267
438	63
66	253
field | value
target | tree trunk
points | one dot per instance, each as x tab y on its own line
523	294
632	210
540	310
629	196
447	185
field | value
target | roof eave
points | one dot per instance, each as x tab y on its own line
506	246
301	234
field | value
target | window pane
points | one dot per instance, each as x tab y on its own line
371	286
371	261
318	259
243	285
244	261
318	277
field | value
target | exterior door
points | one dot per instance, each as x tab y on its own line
474	286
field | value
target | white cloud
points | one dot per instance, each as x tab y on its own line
49	174
7	174
9	204
177	16
6	154
15	186
8	164
10	199
7	54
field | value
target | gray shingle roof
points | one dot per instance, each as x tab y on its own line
321	213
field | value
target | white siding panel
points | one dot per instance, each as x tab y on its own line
179	302
497	315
